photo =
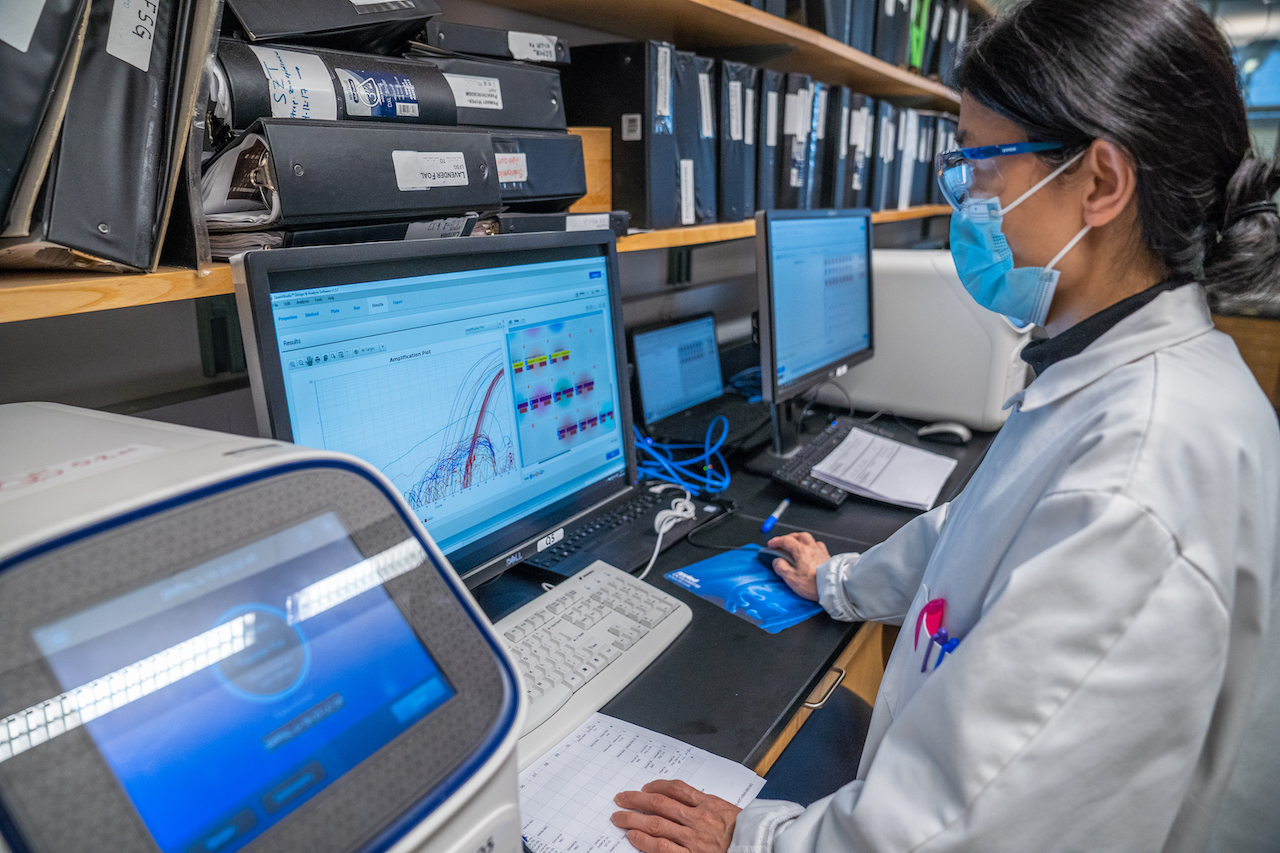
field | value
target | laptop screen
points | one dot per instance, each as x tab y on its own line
678	367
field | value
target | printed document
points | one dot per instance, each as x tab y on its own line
885	470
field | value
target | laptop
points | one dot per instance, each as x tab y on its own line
679	389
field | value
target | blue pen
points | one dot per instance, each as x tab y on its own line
775	515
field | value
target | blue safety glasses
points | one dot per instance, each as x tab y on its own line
974	173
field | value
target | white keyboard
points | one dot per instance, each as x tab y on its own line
579	644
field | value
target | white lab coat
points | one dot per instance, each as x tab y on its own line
1112	571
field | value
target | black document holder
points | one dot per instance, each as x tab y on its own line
251	91
529	223
343	173
382	28
696	152
531	94
737	130
627	87
551	165
485	41
769	105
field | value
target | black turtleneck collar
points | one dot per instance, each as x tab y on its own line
1047	351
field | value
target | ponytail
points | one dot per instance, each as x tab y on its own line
1244	259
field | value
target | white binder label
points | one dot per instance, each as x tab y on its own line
422	170
936	29
18	23
133	29
532	47
749	116
953	23
791	115
512	168
858	130
822	114
299	83
735	110
705	112
797	156
889	8
478	93
631	127
887	147
451	226
844	132
771	119
663	100
587	222
687	212
871	131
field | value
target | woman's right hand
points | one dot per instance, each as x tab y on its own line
801	574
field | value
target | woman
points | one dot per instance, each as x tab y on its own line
1087	660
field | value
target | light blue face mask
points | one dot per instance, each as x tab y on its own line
985	261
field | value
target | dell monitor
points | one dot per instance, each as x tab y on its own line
813	268
483	376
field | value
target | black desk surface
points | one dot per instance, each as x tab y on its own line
725	685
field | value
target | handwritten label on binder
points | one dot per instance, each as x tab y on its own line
705	112
299	83
423	170
587	222
512	168
687	209
478	93
663	100
735	110
531	47
133	31
451	226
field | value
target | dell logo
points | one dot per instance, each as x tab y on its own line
513	559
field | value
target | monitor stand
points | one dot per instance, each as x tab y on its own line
786	441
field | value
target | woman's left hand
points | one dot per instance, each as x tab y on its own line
672	817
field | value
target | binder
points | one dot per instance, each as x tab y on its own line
539	171
893	31
628	87
816	147
225	245
908	146
109	190
862	25
776	7
953	29
737	132
491	93
366	26
863	112
933	44
884	178
924	157
797	120
39	52
616	221
944	140
499	44
695	123
296	174
836	163
829	17
769	109
919	33
273	81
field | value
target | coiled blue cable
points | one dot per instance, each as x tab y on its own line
695	474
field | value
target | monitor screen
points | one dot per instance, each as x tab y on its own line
485	394
678	367
819	296
227	695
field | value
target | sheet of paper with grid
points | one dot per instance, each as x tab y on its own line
566	796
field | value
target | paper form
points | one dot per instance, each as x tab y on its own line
566	797
874	467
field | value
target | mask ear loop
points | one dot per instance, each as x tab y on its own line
1067	248
1055	173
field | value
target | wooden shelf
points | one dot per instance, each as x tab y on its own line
36	295
710	24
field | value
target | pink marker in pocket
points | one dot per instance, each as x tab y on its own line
930	618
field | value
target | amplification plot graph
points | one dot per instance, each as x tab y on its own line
438	422
563	388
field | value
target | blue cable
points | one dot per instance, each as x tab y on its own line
695	474
747	383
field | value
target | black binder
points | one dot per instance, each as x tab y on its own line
539	171
953	29
835	182
500	44
862	25
616	221
226	245
933	44
863	115
797	120
277	81
628	87
769	106
695	115
38	67
491	93
355	173
737	189
829	17
893	31
816	147
884	178
382	27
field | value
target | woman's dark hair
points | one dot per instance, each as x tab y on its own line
1156	78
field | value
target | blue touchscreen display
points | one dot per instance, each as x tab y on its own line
228	695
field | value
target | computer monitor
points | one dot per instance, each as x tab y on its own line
483	376
814	275
677	366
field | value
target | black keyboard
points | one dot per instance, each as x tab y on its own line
796	475
640	506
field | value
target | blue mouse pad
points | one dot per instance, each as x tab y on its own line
739	583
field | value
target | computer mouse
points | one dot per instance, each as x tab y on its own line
768	555
946	432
